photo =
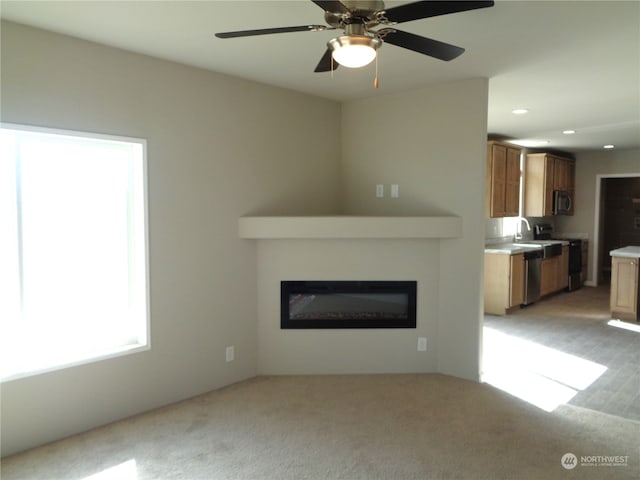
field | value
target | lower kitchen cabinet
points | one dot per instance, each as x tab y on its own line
548	275
554	273
625	286
503	282
516	280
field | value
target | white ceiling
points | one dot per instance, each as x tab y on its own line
573	64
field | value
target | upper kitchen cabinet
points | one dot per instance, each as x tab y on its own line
544	175
563	174
503	180
538	185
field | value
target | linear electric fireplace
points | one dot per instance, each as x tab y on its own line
348	304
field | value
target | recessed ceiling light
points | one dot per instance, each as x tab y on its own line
568	132
519	111
609	147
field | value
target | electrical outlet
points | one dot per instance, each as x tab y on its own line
395	191
422	344
379	190
230	353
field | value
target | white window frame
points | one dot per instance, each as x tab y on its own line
142	325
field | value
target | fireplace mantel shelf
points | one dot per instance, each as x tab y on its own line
344	226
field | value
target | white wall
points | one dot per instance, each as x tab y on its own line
588	166
349	350
431	142
218	148
440	170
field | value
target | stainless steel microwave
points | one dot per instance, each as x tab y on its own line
562	202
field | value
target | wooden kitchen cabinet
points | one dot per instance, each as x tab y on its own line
560	173
502	180
516	280
564	177
545	173
554	273
625	286
504	278
538	186
512	187
548	275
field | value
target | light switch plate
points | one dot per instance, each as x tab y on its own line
230	354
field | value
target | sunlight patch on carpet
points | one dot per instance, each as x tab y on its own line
624	325
542	376
125	471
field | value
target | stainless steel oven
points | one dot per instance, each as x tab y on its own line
543	232
575	265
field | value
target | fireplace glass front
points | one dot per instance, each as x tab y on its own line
348	304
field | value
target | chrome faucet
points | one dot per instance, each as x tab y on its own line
518	234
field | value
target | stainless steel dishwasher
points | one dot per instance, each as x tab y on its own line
532	267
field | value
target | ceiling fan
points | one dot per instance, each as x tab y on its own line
358	46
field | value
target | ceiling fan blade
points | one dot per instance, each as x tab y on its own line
324	65
267	31
332	6
417	10
426	46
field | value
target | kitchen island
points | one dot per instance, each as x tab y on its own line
625	283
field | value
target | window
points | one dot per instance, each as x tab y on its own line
73	249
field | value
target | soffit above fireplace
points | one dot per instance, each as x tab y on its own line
316	227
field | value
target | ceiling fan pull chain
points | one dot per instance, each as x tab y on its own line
375	80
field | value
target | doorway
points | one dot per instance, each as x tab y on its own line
617	220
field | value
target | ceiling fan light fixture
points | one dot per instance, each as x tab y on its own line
354	51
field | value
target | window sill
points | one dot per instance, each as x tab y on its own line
105	355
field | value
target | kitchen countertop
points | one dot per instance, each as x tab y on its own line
548	242
629	252
511	248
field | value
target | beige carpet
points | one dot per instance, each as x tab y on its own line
343	427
